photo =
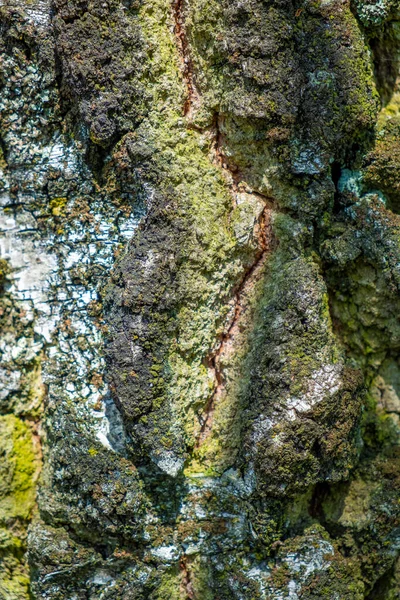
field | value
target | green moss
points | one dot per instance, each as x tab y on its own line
206	254
382	164
57	206
19	470
17	491
170	586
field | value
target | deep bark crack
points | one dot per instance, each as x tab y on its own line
186	584
183	47
236	184
226	342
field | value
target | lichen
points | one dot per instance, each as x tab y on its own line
199	297
20	465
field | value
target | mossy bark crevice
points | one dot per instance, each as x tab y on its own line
226	343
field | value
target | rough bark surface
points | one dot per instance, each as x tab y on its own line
199	299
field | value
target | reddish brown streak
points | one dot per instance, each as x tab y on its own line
264	237
183	46
186	584
248	280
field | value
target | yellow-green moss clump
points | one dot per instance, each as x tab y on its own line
18	473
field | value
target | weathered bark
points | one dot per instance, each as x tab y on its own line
199	299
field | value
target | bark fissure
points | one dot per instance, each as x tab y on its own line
186	581
236	184
226	343
183	47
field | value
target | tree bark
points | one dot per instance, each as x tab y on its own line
199	299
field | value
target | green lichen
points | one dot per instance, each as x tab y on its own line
171	586
363	291
268	97
19	469
382	164
4	271
375	13
205	264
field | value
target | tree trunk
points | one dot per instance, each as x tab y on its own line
199	299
